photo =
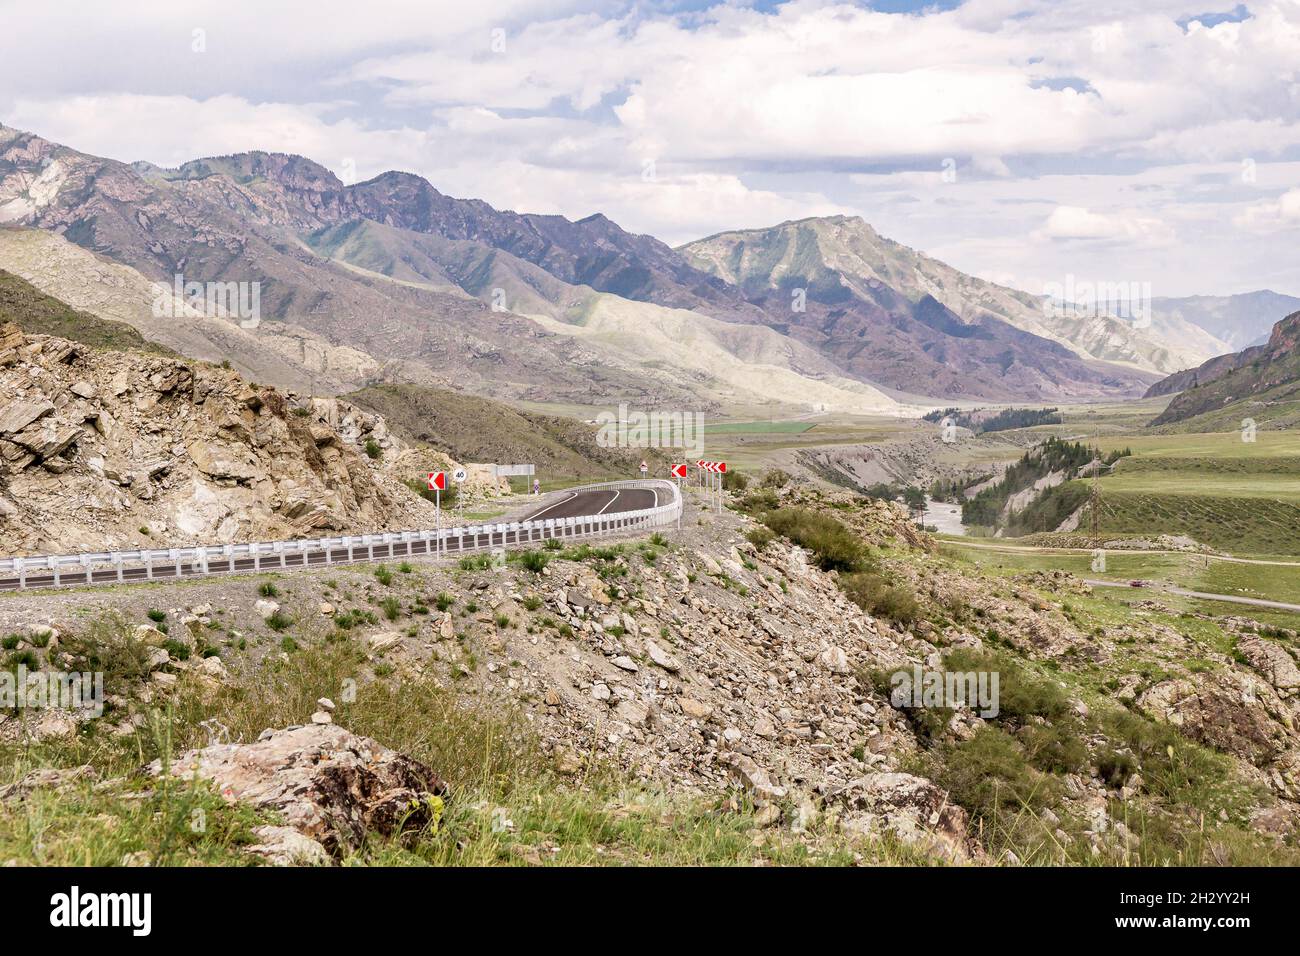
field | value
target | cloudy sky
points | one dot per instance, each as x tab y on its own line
1020	140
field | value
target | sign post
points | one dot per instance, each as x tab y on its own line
458	476
437	482
717	469
679	472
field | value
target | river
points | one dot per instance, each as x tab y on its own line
945	516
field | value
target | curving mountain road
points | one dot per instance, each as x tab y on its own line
606	502
597	502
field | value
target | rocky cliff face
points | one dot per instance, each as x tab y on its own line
104	449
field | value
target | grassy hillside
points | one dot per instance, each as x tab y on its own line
480	430
1241	522
1240	497
1273	409
1192	572
839	259
40	314
1260	383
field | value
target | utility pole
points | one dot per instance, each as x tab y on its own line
1094	498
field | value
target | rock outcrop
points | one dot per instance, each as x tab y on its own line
107	449
331	787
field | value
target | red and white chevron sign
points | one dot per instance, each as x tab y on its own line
678	471
716	467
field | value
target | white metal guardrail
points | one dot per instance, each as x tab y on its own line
110	567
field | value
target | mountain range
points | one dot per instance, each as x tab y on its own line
391	281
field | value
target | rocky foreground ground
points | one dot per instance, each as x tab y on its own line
719	669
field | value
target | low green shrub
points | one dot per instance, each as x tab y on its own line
834	546
872	592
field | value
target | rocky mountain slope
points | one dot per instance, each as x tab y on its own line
1255	382
118	449
595	252
214	228
897	317
729	362
35	312
847	251
251	218
278	353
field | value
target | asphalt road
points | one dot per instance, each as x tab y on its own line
596	503
1205	595
1036	549
570	505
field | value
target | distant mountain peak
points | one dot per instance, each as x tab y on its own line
400	176
286	169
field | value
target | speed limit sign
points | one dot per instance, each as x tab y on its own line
459	475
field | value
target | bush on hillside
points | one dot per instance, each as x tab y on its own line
874	593
834	546
734	481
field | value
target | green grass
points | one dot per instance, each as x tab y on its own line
173	824
1192	804
1214	466
1235	496
758	428
1178	484
1227	444
506	805
469	428
37	313
1189	571
833	545
1225	516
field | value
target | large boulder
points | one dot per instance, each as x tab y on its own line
910	808
217	461
1271	660
328	784
46	439
1226	710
